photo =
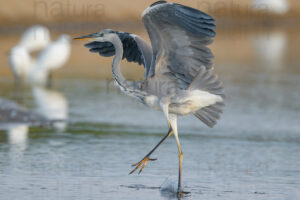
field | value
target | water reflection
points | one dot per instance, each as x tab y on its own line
17	137
12	113
270	49
14	120
253	152
51	104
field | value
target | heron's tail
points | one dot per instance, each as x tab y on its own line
209	82
210	114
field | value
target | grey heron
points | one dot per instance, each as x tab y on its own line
178	64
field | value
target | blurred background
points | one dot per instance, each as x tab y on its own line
240	26
76	135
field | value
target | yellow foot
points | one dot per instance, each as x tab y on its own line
181	193
141	163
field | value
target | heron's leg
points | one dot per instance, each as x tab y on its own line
144	161
173	122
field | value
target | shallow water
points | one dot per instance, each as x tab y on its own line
253	152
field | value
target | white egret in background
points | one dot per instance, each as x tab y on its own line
20	62
38	70
270	48
272	6
51	105
35	38
54	56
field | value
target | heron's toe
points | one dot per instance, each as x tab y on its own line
141	164
181	193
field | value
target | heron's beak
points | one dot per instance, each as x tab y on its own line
90	36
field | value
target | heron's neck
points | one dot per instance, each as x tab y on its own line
116	70
129	87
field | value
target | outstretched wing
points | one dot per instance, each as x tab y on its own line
179	37
135	49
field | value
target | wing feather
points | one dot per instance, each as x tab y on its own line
179	35
135	49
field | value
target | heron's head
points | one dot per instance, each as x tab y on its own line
101	36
